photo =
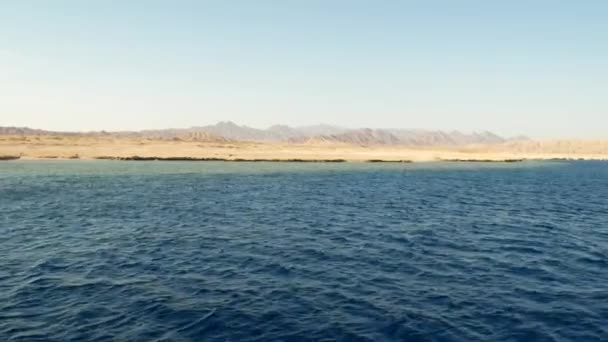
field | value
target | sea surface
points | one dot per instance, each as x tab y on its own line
216	251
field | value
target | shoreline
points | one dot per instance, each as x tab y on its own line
131	149
295	160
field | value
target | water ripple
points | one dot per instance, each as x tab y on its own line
108	251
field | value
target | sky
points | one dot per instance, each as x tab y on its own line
532	67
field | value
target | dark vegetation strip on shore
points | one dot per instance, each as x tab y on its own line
138	158
297	160
387	161
483	160
565	159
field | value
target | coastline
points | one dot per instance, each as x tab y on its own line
127	149
305	161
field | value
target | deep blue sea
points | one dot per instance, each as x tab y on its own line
215	251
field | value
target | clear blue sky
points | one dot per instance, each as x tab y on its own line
532	67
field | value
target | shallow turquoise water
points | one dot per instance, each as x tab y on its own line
180	251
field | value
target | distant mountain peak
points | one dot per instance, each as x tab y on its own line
227	124
322	133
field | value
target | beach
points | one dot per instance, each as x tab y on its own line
90	148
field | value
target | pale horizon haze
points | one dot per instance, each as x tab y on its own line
537	68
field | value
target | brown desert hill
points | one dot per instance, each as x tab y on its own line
16	131
317	130
19	131
228	131
360	137
204	137
284	132
440	138
412	138
275	133
189	134
234	132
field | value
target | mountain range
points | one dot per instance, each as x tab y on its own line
227	131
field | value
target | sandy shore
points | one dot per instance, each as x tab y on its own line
57	147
